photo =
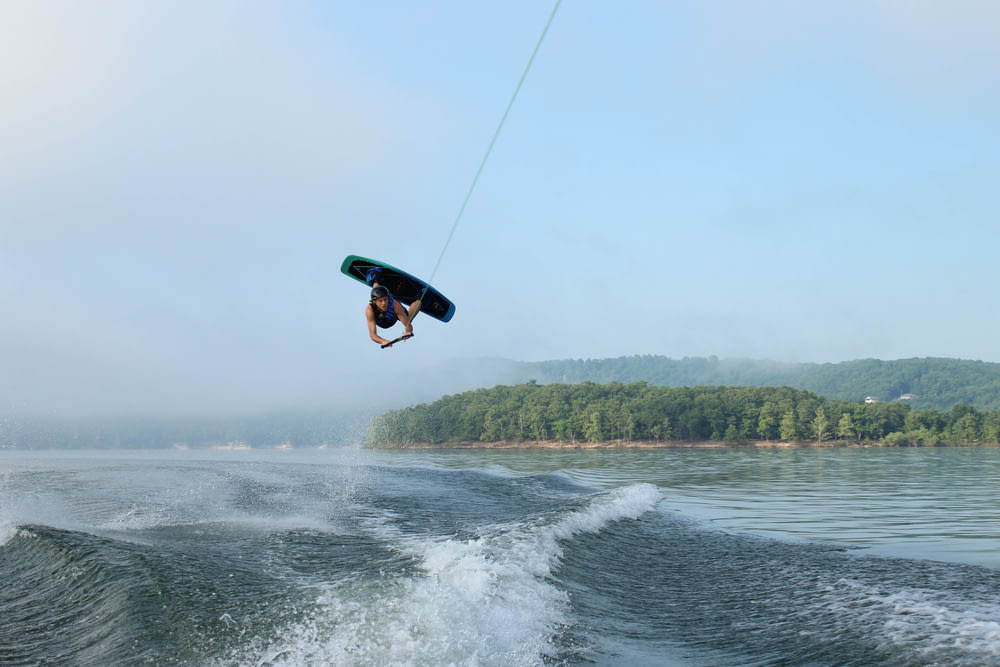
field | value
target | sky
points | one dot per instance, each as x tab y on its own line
767	179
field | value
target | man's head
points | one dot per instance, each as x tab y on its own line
380	298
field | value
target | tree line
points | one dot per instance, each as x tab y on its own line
638	412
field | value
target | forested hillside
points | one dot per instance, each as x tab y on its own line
638	412
929	383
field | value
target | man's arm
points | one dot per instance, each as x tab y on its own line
404	317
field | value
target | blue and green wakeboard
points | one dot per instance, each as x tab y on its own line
403	286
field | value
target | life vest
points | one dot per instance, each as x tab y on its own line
388	318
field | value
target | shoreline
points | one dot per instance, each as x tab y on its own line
668	444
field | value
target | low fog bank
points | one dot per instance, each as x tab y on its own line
331	414
265	430
336	415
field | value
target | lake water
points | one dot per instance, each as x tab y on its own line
501	557
938	503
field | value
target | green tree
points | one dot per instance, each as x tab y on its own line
820	424
662	430
733	435
991	427
846	428
789	429
964	425
593	430
767	421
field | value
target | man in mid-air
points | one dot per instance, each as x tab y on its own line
384	310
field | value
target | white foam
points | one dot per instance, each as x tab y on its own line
942	623
12	516
483	601
8	529
933	623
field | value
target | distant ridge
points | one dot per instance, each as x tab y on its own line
926	383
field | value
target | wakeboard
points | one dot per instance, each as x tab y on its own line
403	286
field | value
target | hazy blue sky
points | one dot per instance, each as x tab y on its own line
179	181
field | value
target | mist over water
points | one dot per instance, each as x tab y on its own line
384	383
